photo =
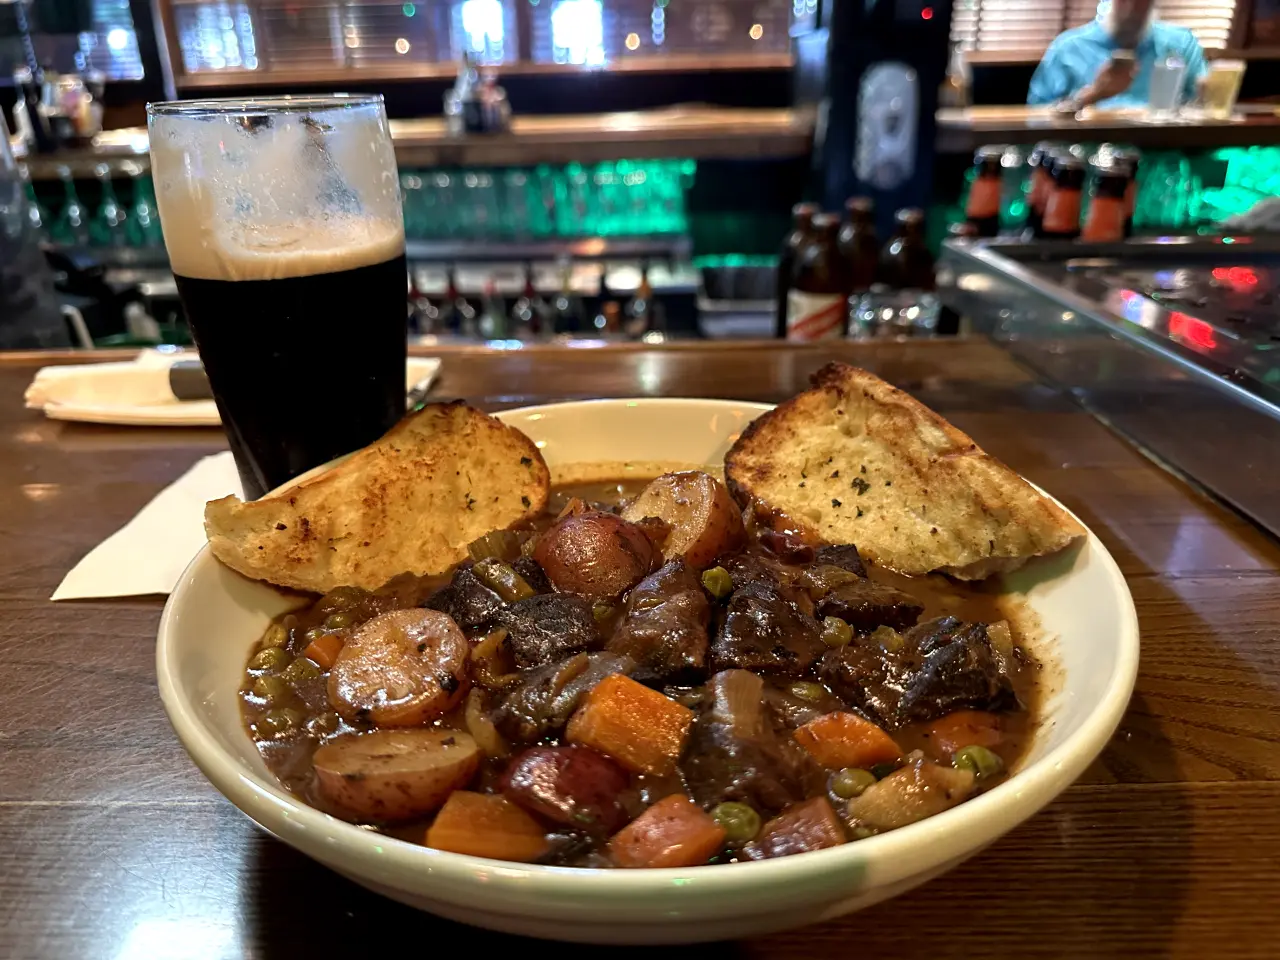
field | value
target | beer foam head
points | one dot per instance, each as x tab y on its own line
264	190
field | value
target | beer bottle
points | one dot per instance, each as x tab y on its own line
1130	158
1108	208
802	215
858	243
1041	164
906	263
817	305
1062	208
983	207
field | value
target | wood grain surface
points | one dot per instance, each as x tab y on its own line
112	844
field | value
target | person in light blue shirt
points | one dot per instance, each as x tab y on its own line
1080	66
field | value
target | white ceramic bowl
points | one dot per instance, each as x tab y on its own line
214	617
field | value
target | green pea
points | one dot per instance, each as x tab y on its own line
835	632
323	724
851	782
984	763
739	822
277	723
276	636
601	610
341	598
808	691
314	634
270	658
718	582
270	689
336	621
300	671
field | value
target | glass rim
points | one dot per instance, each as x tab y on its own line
278	104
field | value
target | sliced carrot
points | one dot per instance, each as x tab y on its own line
964	728
635	725
802	827
486	825
674	832
324	650
843	739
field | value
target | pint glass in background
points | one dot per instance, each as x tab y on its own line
1222	88
281	216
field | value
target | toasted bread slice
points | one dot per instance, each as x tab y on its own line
411	502
855	460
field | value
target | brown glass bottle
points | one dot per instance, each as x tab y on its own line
1131	159
1041	163
817	304
906	263
983	206
858	244
802	215
1062	208
1108	206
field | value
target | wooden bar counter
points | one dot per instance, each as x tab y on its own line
112	845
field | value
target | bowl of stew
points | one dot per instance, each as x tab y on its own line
760	735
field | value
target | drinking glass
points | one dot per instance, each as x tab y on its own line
1165	97
282	220
1222	87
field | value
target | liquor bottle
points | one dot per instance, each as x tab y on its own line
858	244
424	316
37	217
72	226
569	317
531	316
492	322
955	90
983	206
644	314
108	226
1062	207
1132	159
802	215
457	315
1041	164
144	221
817	304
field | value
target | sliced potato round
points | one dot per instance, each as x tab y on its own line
595	554
401	669
390	775
704	520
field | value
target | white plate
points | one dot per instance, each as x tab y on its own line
171	412
214	617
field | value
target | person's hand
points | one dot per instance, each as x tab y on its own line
1113	79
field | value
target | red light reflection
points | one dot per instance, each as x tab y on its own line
926	13
1194	331
1236	276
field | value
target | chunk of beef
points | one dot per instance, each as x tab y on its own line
745	568
789	711
664	628
469	602
541	703
865	605
547	628
733	752
766	629
942	666
957	669
845	556
533	574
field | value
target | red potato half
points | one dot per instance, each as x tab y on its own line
390	775
401	669
704	520
595	554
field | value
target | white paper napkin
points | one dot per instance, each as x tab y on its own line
148	554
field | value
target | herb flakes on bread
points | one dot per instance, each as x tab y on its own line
411	502
855	460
